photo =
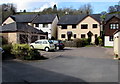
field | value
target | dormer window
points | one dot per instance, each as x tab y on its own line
64	27
36	25
73	26
45	25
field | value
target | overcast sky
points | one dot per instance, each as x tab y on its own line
38	5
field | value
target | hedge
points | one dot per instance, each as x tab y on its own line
76	43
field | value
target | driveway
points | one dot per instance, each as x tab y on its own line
88	64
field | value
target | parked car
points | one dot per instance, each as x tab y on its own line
43	44
58	44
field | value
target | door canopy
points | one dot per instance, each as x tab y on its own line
89	33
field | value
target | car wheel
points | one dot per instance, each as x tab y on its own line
57	48
31	47
47	49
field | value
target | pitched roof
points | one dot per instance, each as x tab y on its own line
75	19
44	18
23	18
9	27
20	27
116	31
96	17
109	16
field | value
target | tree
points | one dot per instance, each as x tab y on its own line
7	10
114	8
85	9
55	7
111	9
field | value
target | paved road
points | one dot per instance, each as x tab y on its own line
89	64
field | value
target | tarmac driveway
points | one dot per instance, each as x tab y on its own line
89	64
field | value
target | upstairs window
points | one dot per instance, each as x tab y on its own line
73	26
36	25
94	25
114	26
64	27
45	25
84	26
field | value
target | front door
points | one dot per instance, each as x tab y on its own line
89	36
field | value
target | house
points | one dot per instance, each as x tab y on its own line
117	44
21	33
27	19
47	23
112	23
80	26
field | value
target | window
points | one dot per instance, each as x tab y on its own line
36	25
82	35
38	42
45	25
84	26
74	35
44	42
34	38
63	36
42	37
111	38
23	38
73	26
64	26
114	26
94	25
50	41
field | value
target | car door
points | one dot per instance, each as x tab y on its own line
38	45
44	44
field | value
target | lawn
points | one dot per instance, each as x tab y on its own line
108	46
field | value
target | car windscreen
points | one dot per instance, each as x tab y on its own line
55	42
60	41
50	41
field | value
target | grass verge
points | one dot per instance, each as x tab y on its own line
108	46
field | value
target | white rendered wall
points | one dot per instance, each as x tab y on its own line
107	42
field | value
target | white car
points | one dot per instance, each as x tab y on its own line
43	44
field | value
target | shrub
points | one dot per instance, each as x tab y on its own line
7	51
99	41
76	43
24	52
96	41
